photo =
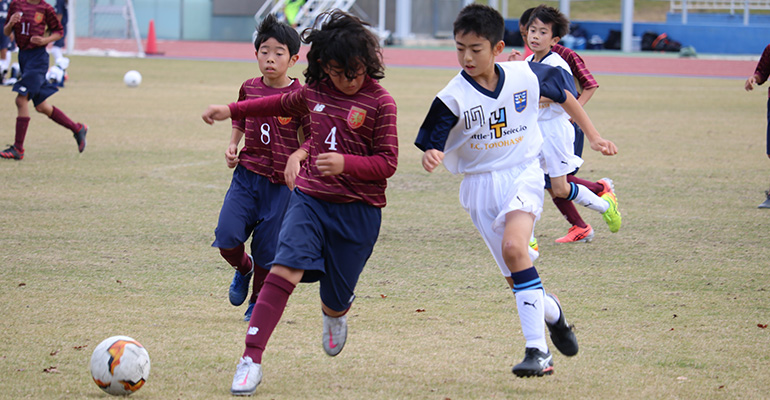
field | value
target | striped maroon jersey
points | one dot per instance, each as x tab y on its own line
37	19
579	70
763	68
268	141
361	127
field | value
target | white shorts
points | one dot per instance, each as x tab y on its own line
488	197
558	147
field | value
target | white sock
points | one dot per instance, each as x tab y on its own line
6	63
530	304
552	312
56	52
587	198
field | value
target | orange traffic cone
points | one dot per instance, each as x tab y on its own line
152	46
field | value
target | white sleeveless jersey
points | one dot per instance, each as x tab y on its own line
495	131
550	110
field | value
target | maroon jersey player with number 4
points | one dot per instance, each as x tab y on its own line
338	175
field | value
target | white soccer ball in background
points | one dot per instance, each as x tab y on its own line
132	78
120	365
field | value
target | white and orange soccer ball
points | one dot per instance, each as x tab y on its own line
120	365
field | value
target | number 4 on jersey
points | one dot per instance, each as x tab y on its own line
331	139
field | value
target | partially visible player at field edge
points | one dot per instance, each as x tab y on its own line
339	176
257	199
5	42
545	28
483	125
759	77
62	13
580	231
29	21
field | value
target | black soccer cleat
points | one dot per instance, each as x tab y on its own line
562	335
766	203
12	153
536	363
80	137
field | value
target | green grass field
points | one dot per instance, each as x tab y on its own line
599	10
117	241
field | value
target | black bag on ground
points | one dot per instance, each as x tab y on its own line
613	40
647	39
664	43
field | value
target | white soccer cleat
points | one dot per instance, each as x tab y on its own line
335	334
247	377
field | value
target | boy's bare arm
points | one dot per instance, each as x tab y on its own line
575	110
231	154
45	40
8	28
293	165
586	95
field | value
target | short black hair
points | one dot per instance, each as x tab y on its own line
524	19
482	20
551	16
346	40
283	33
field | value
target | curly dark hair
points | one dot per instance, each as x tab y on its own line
551	16
345	40
482	20
283	33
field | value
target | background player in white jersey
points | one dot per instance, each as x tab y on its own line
546	26
483	124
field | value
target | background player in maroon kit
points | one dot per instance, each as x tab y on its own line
759	77
339	177
257	198
29	20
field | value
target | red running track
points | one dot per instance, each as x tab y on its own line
635	64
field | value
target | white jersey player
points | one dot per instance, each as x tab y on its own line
483	124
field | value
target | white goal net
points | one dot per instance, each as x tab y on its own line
112	29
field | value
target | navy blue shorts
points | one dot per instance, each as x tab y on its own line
34	65
62	42
5	41
578	143
331	242
255	205
768	126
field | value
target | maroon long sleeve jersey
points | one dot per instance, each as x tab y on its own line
361	127
763	68
35	21
268	141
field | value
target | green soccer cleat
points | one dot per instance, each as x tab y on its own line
612	215
533	244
